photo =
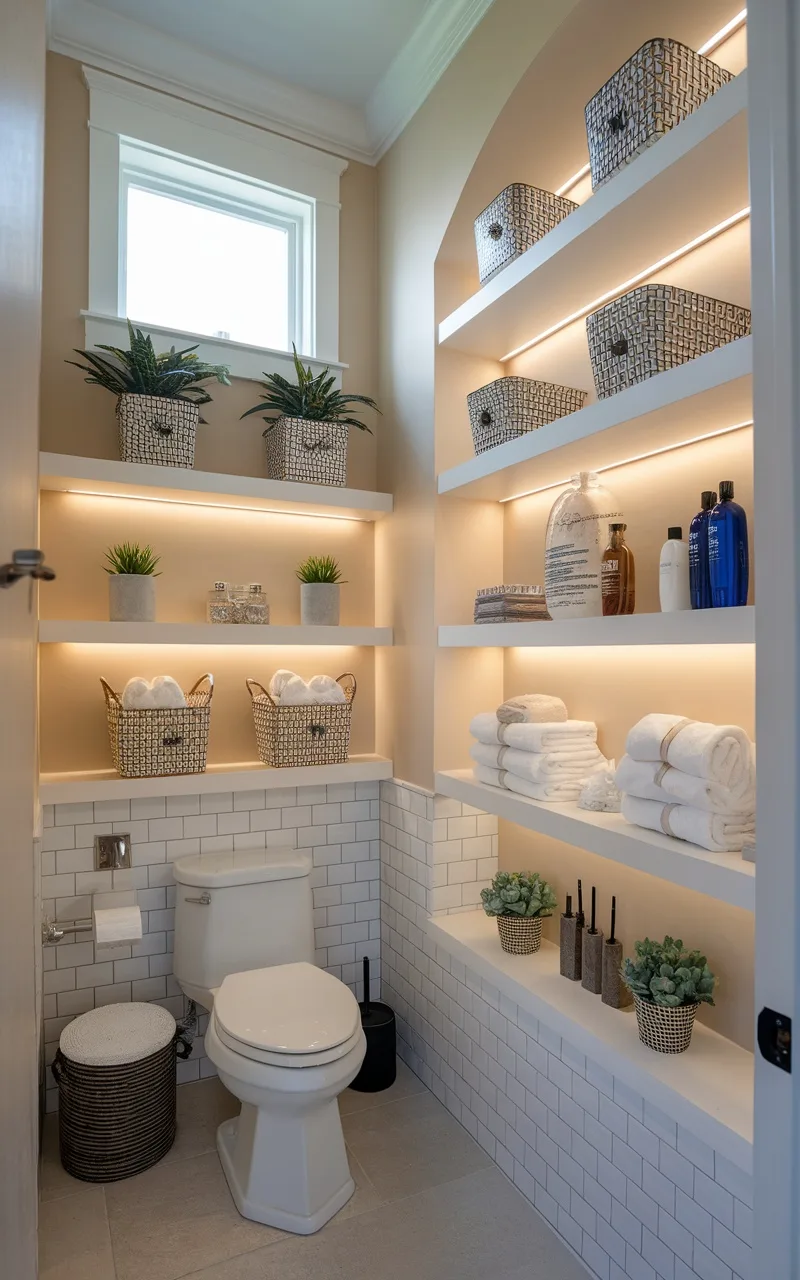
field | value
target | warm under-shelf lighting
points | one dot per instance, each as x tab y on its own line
619	289
639	457
574	180
218	506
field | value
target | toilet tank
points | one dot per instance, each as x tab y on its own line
238	911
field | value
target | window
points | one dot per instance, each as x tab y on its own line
210	229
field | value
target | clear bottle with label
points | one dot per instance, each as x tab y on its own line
699	580
218	606
256	608
574	548
618	574
673	573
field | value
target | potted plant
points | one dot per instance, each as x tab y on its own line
520	900
668	985
320	577
157	397
307	441
131	573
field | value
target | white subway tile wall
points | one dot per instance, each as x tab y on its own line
633	1194
338	824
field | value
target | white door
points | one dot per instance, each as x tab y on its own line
22	55
774	63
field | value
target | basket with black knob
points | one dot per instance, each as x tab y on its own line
309	733
159	742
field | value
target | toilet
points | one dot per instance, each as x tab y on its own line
285	1036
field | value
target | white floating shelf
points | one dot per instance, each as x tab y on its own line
67	788
105	478
59	632
699	398
695	177
708	1089
693	626
724	876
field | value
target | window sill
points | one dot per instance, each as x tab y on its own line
243	360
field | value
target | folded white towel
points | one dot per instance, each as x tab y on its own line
279	682
136	694
717	832
167	693
651	780
553	792
540	766
720	752
296	693
142	695
561	738
326	689
532	708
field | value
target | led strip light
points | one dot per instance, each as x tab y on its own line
217	506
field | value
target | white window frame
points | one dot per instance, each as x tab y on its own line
167	143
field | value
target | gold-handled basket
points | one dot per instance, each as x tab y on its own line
156	742
318	733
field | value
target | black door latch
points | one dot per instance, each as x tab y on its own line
775	1038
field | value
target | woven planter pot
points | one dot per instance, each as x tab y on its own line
665	1030
301	735
510	407
654	328
520	935
515	220
308	452
156	430
653	91
159	743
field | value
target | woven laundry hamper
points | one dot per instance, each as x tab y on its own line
515	220
315	733
159	742
510	407
115	1070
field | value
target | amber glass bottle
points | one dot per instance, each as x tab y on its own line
619	579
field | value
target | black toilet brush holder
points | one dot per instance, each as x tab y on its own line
379	1068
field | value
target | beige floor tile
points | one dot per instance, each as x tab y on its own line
202	1107
409	1145
405	1085
54	1181
74	1240
177	1218
476	1228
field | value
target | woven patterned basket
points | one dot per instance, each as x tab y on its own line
515	220
656	89
654	328
665	1030
309	452
510	407
157	430
158	743
315	734
520	935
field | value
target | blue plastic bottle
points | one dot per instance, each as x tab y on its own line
699	581
728	557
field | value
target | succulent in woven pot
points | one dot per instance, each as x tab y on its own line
158	396
132	577
306	440
520	900
668	985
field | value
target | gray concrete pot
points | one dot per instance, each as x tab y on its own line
319	604
131	597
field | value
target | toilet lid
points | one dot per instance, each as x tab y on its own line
287	1009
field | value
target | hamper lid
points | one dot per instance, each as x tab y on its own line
117	1034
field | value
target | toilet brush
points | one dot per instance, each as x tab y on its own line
379	1068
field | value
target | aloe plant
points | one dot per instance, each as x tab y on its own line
313	397
319	569
664	973
130	557
519	893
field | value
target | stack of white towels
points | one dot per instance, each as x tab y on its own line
691	780
163	693
290	690
530	746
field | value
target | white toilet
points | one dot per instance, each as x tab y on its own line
284	1035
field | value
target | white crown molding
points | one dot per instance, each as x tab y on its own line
420	64
92	34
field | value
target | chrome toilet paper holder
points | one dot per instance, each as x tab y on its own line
54	930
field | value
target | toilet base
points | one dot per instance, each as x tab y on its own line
255	1208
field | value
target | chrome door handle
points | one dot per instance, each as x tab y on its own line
203	901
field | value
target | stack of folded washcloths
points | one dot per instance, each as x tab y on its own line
287	689
530	746
691	780
510	604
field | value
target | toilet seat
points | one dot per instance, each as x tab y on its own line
292	1015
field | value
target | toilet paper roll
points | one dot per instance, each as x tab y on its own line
115	925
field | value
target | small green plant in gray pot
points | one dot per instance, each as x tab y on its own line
668	985
307	440
158	397
132	577
320	578
520	900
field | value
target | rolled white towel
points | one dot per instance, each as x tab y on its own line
538	766
137	695
326	690
296	693
553	792
279	682
167	693
717	832
562	739
722	753
652	780
532	708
